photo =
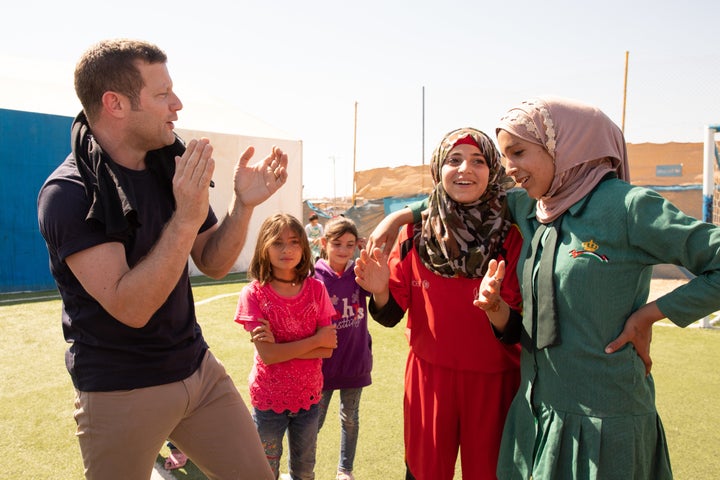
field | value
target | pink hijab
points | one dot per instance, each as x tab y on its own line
583	142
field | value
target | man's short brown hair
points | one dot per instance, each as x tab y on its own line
110	65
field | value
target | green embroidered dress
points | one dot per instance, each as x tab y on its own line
581	413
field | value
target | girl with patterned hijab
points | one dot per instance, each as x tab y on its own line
462	368
586	403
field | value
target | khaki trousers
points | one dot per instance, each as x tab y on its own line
122	432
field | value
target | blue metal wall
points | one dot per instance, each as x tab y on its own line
31	146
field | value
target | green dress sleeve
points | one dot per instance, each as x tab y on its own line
417	207
661	230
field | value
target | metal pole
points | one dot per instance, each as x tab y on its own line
334	202
627	55
354	183
422	176
708	185
708	173
423	125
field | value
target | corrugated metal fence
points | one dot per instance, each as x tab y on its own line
31	146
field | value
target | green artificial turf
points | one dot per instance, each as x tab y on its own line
38	441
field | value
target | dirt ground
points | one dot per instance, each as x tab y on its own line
661	286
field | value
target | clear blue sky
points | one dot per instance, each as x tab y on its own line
301	65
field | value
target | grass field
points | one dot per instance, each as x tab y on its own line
38	442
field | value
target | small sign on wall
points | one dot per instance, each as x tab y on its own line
668	170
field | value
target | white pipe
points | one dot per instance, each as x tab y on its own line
708	172
708	185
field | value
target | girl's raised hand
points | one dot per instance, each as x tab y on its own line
489	292
372	272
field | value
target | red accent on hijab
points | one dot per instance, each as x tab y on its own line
467	140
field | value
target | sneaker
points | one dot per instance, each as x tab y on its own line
344	476
285	476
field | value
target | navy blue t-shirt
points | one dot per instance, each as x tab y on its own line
105	354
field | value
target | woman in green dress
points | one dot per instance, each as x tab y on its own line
586	404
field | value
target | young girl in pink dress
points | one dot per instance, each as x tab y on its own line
289	314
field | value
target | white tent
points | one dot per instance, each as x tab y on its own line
231	131
227	150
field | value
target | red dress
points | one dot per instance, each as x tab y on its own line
460	379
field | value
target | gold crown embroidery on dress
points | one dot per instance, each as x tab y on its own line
590	246
589	249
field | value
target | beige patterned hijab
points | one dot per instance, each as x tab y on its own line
583	142
456	239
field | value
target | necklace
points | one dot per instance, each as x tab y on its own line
292	282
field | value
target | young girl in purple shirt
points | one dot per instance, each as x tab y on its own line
348	370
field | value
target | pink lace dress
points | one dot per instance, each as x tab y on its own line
295	384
